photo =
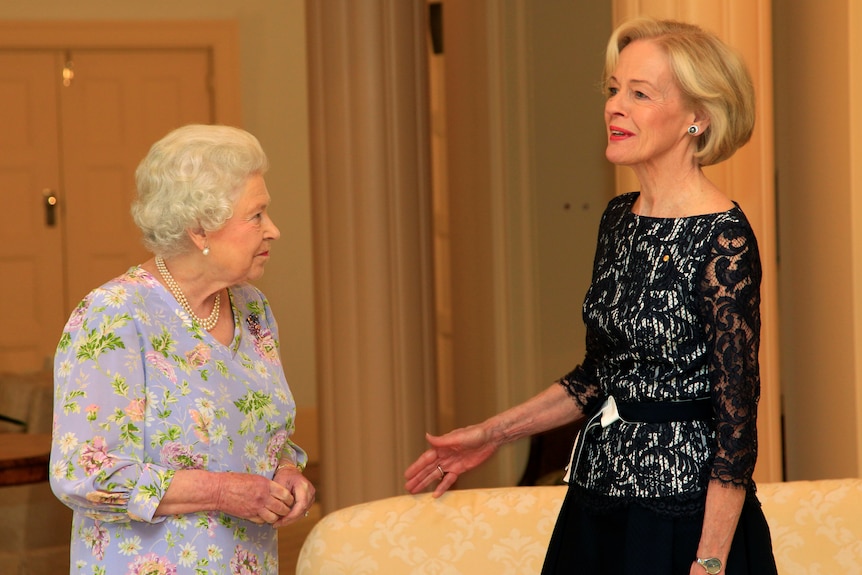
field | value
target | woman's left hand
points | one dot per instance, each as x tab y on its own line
302	490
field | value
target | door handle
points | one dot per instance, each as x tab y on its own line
50	207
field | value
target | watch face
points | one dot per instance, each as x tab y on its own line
712	565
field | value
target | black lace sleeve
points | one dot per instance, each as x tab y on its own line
730	305
582	382
581	385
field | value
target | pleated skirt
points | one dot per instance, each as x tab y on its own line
635	540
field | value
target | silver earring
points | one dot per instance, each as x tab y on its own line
693	130
206	251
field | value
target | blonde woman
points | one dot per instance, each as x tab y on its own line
660	480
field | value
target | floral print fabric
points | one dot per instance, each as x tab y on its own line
141	391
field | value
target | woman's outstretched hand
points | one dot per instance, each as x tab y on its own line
448	457
463	449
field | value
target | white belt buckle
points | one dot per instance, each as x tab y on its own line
609	414
609	411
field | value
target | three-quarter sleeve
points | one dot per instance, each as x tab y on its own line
581	383
98	461
730	305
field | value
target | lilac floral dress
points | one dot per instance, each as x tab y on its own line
142	391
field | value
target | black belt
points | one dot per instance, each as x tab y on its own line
666	411
699	409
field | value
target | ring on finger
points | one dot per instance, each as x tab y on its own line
442	473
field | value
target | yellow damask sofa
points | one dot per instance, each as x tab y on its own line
816	530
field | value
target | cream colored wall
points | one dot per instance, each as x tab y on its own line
818	92
274	108
572	179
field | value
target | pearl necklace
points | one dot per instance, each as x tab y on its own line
207	323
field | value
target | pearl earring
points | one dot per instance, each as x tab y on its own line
206	251
693	130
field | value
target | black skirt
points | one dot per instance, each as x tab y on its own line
633	540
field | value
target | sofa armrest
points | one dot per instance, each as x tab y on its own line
816	526
500	530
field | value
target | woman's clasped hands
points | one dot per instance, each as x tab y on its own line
302	491
261	500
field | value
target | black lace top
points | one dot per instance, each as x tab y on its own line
673	313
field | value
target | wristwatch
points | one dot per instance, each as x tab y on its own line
711	564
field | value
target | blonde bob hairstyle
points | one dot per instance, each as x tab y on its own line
712	77
190	180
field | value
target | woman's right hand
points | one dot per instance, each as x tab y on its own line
454	453
466	448
252	497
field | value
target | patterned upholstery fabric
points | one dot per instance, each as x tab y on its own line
502	531
816	525
816	530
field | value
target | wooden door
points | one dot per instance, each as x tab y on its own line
82	142
31	287
118	103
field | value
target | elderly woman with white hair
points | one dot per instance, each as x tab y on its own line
172	415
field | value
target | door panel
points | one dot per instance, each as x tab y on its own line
119	103
83	142
31	284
